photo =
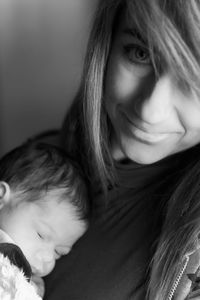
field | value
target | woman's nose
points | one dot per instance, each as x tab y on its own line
156	104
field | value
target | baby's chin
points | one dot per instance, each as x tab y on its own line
39	273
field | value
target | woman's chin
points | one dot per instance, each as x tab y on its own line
145	155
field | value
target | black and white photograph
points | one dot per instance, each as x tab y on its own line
99	149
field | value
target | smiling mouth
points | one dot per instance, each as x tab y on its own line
144	136
148	138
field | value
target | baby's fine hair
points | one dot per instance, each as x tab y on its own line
36	168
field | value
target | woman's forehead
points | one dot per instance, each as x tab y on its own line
125	25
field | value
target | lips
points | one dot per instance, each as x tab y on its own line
39	272
36	271
149	138
142	134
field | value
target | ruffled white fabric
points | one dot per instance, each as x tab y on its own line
13	283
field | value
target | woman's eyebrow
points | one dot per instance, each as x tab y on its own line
134	33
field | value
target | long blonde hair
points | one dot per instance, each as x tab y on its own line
180	233
172	31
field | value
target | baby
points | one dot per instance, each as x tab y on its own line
43	212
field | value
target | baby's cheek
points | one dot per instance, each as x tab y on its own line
29	251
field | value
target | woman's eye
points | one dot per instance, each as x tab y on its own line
137	54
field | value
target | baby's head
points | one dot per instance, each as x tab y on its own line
43	203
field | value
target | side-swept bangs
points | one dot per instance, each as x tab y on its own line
172	32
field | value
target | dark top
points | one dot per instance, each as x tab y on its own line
110	262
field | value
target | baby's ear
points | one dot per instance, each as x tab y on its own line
4	193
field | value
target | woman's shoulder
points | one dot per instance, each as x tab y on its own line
189	280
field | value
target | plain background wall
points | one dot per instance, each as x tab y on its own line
42	47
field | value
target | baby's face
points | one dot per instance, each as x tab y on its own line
44	230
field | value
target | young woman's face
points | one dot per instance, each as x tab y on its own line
151	118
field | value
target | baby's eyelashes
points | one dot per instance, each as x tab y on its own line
40	236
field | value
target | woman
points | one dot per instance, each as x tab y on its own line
135	128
